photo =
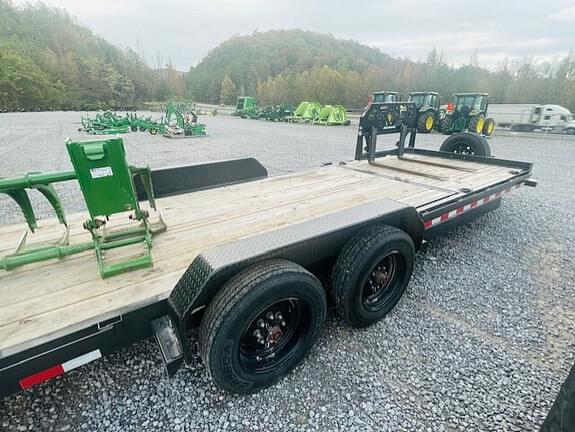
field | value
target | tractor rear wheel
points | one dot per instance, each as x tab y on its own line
446	124
476	124
466	143
426	122
489	126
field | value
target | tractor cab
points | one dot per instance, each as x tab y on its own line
470	103
424	100
383	96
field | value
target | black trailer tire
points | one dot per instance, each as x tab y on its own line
425	122
371	274
570	131
153	131
489	127
466	143
134	128
476	124
231	334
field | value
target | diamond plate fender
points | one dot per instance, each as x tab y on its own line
306	243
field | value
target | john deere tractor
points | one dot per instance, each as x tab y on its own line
468	111
428	113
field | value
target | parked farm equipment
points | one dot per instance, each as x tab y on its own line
429	115
107	123
107	184
382	96
468	111
246	106
178	124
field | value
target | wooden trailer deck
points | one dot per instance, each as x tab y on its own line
46	300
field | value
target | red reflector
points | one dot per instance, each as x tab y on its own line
444	217
427	223
41	377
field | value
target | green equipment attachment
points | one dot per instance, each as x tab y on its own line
338	117
323	115
182	124
299	112
311	112
107	184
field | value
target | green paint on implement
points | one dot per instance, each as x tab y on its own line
107	184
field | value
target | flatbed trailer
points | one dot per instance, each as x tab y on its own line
60	314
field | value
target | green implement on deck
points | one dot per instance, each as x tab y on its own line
107	184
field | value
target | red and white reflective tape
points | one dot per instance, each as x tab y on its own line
59	369
467	207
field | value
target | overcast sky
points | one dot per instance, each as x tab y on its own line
185	30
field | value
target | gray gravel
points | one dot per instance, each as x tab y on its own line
481	341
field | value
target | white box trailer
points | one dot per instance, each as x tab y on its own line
532	117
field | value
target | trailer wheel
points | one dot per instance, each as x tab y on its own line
371	274
466	143
153	131
425	122
134	128
570	131
261	324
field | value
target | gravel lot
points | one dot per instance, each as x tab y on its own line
482	339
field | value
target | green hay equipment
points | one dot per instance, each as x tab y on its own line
311	112
107	184
338	117
181	124
246	106
428	112
323	115
298	113
468	111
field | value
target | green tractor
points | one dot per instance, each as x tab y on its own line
246	106
468	111
381	96
428	112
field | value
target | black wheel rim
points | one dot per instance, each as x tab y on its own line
382	282
273	335
463	148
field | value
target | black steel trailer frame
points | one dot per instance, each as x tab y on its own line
313	244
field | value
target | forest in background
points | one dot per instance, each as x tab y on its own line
49	61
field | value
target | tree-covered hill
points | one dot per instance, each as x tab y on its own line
48	61
293	65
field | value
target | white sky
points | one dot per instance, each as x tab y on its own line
185	30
